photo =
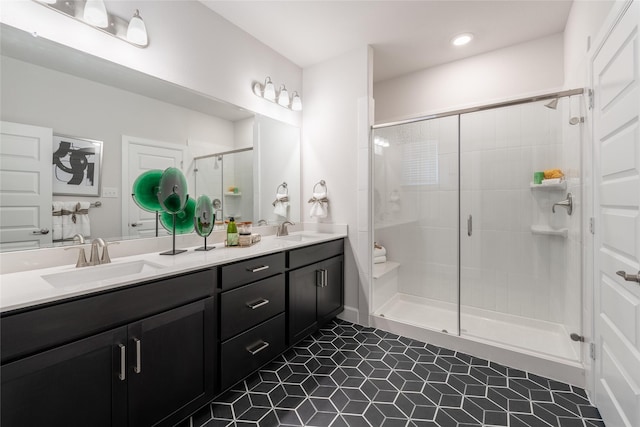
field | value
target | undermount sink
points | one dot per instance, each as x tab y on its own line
303	237
85	275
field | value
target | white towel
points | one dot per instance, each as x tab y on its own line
56	225
381	251
68	227
319	205
380	259
82	220
281	204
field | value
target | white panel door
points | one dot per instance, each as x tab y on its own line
616	83
25	186
140	155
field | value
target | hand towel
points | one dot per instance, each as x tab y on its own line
380	260
319	205
82	219
69	220
381	251
56	211
281	204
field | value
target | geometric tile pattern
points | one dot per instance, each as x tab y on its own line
349	375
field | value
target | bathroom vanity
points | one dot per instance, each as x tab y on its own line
151	351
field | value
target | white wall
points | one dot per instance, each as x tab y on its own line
82	108
336	119
189	45
507	73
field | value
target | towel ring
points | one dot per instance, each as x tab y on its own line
320	183
284	187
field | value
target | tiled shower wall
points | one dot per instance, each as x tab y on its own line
504	267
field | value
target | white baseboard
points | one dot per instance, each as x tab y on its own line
350	314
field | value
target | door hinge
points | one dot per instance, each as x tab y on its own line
590	95
592	225
592	351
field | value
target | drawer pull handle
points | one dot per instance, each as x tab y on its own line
138	368
256	269
123	363
256	304
257	349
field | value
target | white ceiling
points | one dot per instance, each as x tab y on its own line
406	35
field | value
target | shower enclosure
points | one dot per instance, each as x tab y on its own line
473	248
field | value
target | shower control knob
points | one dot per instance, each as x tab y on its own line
629	277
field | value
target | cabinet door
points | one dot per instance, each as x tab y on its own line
330	291
78	384
171	362
302	302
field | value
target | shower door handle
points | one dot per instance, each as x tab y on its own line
470	225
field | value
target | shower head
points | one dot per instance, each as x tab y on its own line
553	104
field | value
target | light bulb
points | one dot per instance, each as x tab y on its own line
462	39
269	90
283	97
137	31
95	13
296	102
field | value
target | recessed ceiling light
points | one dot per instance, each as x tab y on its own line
462	39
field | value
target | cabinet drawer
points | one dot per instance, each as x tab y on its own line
243	272
246	306
41	328
251	350
310	254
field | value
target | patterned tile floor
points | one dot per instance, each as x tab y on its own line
348	375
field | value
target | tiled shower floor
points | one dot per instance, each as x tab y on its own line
348	375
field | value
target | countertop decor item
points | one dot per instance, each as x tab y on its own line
173	197
145	192
203	220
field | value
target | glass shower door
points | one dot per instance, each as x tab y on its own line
416	222
516	284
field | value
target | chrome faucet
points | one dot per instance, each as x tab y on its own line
567	204
262	222
282	229
94	259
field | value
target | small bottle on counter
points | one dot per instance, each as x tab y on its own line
232	233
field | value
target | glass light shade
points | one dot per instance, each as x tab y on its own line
48	1
137	31
283	97
172	193
184	219
296	102
269	90
95	13
203	219
145	190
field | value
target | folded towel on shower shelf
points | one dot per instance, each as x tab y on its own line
319	208
56	223
553	173
379	259
551	181
379	251
281	204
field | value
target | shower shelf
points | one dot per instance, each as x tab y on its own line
561	186
384	268
548	231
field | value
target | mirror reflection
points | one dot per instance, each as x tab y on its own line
143	124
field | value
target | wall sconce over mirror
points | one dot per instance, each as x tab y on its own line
268	92
94	13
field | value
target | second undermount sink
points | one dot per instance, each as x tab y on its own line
86	275
302	237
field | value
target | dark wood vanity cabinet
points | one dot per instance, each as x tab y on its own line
315	287
133	371
252	316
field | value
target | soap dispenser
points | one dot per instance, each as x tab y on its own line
232	233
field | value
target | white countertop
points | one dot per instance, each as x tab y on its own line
29	288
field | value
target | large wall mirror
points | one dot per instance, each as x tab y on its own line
139	122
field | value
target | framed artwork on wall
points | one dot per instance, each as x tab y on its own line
77	165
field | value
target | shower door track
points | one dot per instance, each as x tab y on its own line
518	101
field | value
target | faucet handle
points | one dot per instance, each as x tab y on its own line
82	257
105	253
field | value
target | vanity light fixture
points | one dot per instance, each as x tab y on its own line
268	92
94	13
137	31
283	97
462	39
